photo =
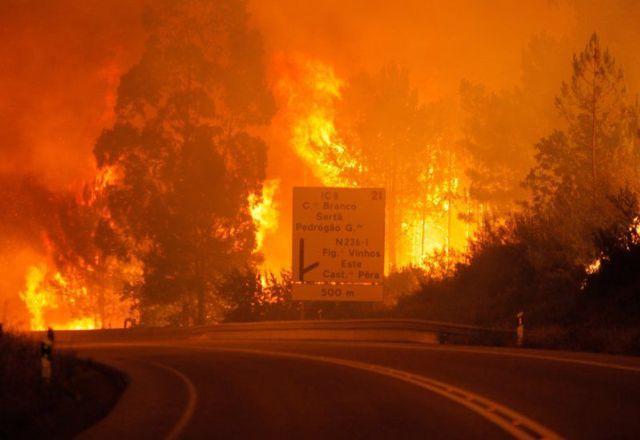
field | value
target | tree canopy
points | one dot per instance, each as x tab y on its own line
183	154
592	155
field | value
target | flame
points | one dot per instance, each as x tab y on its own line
264	211
65	302
594	266
107	176
87	294
43	301
85	323
310	89
429	222
36	298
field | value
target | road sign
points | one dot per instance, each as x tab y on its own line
338	237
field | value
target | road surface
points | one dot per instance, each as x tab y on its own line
311	389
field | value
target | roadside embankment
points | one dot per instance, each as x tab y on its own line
79	393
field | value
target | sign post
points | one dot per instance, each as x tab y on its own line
338	244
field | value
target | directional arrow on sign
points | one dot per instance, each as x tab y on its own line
303	270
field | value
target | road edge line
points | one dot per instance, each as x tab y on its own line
192	400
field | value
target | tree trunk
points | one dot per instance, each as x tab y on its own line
424	231
449	201
200	318
200	293
101	307
392	227
593	140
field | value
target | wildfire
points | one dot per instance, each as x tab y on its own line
310	90
264	211
107	176
594	266
427	222
45	305
73	301
426	219
35	297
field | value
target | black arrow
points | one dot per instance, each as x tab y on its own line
303	269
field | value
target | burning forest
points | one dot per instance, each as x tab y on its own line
149	150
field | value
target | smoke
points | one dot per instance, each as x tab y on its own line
61	66
61	63
439	42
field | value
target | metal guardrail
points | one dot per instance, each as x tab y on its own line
443	332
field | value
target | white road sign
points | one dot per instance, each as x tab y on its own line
338	236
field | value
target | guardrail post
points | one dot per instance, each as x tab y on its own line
520	330
46	354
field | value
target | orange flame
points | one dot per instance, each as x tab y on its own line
44	302
309	91
264	211
36	298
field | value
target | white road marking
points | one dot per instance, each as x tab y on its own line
192	400
521	353
516	424
542	357
507	352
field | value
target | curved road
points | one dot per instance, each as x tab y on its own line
305	389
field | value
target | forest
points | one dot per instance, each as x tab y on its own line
153	187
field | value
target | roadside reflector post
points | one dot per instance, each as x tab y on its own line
46	355
520	330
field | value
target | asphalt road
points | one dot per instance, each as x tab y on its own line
305	389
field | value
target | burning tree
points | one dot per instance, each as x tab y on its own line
374	131
400	144
185	155
70	282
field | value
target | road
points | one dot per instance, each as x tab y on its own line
314	389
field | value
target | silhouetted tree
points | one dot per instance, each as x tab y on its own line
498	145
241	291
248	296
500	128
184	153
581	165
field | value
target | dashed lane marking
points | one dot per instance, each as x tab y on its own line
493	352
514	423
512	353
